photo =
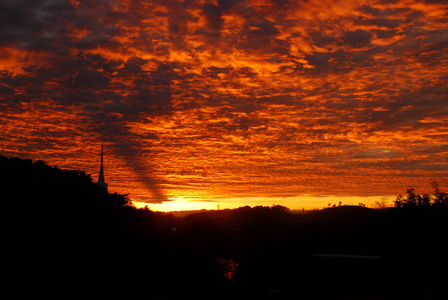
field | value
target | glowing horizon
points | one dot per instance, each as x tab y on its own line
230	99
305	202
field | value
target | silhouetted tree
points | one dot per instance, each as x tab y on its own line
379	204
424	200
279	209
411	199
441	198
120	199
398	202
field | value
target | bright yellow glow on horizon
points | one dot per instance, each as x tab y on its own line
307	202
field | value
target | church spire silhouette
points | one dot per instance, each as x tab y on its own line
101	181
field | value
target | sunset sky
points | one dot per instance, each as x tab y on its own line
231	102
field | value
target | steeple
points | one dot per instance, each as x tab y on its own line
101	181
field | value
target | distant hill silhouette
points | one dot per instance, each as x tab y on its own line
67	238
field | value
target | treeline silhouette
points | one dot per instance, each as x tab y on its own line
25	180
438	199
66	238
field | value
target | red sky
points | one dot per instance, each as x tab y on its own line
230	99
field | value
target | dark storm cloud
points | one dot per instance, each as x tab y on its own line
213	15
358	38
20	20
46	26
226	4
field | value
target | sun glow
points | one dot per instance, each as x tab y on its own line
179	204
305	202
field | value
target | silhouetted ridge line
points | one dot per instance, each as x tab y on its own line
67	236
37	184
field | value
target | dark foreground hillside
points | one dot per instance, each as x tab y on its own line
67	239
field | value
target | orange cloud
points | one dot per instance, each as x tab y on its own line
207	99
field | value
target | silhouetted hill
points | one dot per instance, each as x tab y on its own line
67	238
36	184
341	252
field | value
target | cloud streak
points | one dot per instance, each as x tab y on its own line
230	98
